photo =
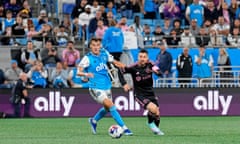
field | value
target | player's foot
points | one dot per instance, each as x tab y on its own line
93	125
155	129
160	132
127	132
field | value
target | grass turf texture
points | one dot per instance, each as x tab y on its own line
178	130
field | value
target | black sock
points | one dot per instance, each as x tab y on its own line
150	117
157	120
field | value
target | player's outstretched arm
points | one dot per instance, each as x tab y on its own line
82	73
119	64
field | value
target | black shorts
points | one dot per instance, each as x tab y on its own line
145	100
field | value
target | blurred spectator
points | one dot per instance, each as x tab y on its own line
215	38
177	26
101	28
26	10
194	28
42	19
184	67
12	74
148	9
123	24
171	10
32	34
187	38
233	8
13	6
204	63
2	11
76	81
7	37
202	38
164	61
8	21
222	28
3	80
138	29
225	13
49	55
59	77
147	35
233	38
110	18
78	9
95	7
38	75
158	34
235	24
18	31
113	40
167	26
46	34
195	11
135	6
70	54
62	36
130	41
173	39
125	8
211	12
207	26
224	64
29	56
111	8
93	24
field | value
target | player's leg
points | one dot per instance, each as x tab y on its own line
108	104
154	117
98	96
153	112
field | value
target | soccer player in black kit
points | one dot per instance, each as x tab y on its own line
143	88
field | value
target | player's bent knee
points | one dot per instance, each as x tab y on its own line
107	103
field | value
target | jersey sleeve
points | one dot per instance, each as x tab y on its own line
110	57
84	62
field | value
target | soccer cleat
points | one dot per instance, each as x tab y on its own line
160	133
127	132
155	129
93	125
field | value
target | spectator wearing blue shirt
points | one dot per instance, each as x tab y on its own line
164	60
148	9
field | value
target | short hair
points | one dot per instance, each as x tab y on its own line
70	42
143	51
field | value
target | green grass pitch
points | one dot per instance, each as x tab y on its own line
178	130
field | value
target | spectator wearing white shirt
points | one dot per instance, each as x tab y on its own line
234	39
187	38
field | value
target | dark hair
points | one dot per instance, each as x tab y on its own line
94	39
70	42
143	51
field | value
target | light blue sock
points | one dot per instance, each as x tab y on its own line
100	114
116	116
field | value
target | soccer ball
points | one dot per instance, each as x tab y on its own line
115	131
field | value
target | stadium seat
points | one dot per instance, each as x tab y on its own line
138	14
146	21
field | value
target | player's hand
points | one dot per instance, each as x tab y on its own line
89	75
119	64
126	88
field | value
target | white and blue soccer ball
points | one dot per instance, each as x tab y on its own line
115	131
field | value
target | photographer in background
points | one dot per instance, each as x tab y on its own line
70	54
19	97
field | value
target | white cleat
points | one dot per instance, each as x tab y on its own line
155	129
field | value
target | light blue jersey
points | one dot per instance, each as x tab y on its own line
97	65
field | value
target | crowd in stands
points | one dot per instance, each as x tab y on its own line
178	23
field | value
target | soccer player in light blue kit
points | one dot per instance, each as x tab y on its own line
94	63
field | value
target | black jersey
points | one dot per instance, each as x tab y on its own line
142	78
